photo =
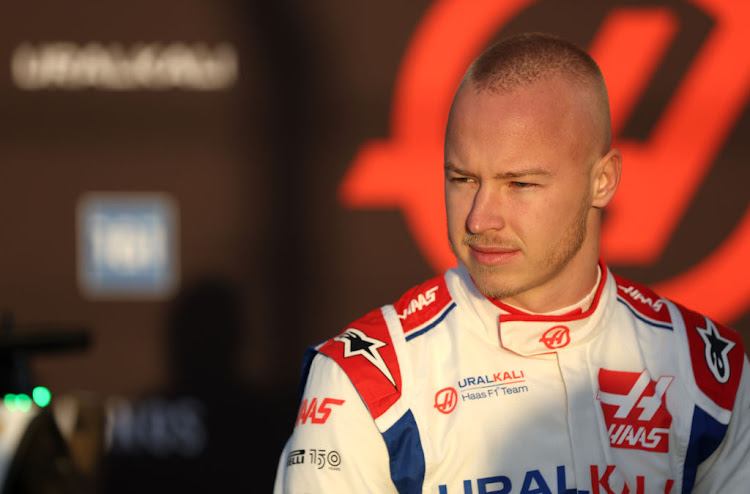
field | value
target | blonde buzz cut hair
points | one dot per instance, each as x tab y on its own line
521	60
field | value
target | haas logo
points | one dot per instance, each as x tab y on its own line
669	163
557	337
634	410
418	303
446	400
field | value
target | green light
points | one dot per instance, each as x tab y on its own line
10	401
41	396
23	402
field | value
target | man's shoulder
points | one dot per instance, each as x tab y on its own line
716	356
415	308
423	306
365	351
715	351
645	304
368	349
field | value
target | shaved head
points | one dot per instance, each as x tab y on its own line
519	61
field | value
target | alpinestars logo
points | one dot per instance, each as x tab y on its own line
635	410
358	343
717	349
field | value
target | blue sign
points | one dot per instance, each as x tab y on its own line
127	245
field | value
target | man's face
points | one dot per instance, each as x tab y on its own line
518	190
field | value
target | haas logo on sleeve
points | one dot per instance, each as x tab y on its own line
634	410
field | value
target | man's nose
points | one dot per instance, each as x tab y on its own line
486	211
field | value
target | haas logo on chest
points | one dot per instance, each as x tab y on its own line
635	410
556	337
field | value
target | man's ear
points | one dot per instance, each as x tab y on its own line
605	178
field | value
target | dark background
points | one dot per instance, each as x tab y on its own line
270	260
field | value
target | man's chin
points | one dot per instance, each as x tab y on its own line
497	292
494	281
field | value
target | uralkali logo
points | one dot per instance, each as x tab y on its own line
669	164
634	410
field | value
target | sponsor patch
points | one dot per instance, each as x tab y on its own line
315	411
446	400
644	303
366	353
318	458
556	337
321	458
635	410
296	457
356	343
419	302
480	387
717	350
716	355
422	306
605	479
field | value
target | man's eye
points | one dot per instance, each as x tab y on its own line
522	185
461	180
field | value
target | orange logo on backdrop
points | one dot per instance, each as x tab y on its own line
662	174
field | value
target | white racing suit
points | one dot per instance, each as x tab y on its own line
448	392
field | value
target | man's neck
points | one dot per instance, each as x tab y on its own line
582	305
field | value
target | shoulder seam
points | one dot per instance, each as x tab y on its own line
643	317
431	324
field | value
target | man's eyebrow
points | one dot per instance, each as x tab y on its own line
450	167
524	172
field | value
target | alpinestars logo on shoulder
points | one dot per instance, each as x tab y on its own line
717	349
356	342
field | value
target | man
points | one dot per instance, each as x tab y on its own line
529	368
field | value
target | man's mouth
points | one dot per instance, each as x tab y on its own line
490	255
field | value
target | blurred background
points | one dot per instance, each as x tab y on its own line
193	192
